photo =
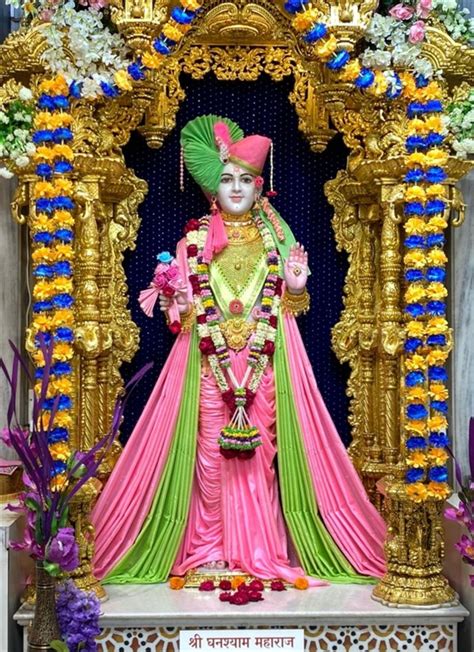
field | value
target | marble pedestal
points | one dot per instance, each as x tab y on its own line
339	618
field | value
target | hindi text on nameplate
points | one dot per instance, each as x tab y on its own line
241	639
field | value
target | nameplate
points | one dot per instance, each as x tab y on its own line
241	639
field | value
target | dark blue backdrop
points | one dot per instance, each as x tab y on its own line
258	107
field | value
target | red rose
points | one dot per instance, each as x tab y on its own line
201	319
225	597
256	585
192	250
246	455
193	279
228	453
268	348
229	399
254	596
175	327
206	346
239	598
273	321
243	587
277	585
191	225
208	585
168	291
278	285
225	585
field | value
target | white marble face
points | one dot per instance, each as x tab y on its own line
236	193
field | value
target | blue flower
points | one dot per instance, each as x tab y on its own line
437	373
61	368
339	60
44	170
414	176
437	274
416	411
415	309
39	372
161	46
58	467
62	402
365	78
63	203
64	334
414	475
43	271
46	102
44	205
415	142
61	102
135	69
75	89
317	32
415	442
439	406
43	338
414	108
42	306
412	344
433	139
63	301
421	81
436	308
63	167
433	106
435	174
62	134
438	440
395	87
434	206
436	340
414	208
435	240
438	474
183	16
42	136
43	237
293	6
414	275
66	235
58	434
415	242
110	90
63	268
164	257
414	378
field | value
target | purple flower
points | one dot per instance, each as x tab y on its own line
78	616
62	549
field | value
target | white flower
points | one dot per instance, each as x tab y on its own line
22	161
6	174
4	118
30	148
25	94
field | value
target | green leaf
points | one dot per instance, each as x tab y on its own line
52	569
32	504
63	521
59	646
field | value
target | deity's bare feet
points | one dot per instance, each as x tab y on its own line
221	565
213	565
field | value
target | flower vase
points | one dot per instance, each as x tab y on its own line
44	628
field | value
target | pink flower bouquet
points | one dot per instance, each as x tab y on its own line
167	281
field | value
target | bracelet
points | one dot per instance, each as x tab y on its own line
187	320
295	304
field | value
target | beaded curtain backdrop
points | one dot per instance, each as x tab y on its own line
259	107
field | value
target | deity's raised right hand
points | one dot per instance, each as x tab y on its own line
181	301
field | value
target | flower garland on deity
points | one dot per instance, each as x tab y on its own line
16	116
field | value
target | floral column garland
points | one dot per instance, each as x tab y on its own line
52	229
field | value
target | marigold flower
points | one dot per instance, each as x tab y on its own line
415	193
62	351
415	328
43	189
326	48
42	222
379	85
438	490
438	423
64	186
63	151
417	492
41	323
64	251
191	5
436	291
177	583
436	224
437	456
416	160
436	326
434	123
431	92
43	254
237	581
415	362
416	394
303	20
55	86
172	32
62	385
417	125
43	290
417	460
350	71
436	190
439	392
123	80
409	84
61	285
60	451
63	419
416	427
64	317
63	218
436	157
415	259
44	153
436	357
152	60
301	583
59	482
414	293
437	257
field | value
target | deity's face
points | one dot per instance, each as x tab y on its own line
236	193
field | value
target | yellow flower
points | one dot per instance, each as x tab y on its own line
326	49
62	385
409	84
237	581
415	193
192	5
415	225
301	583
41	323
43	254
379	85
436	291
303	20
123	80
414	293
351	71
64	317
172	32
431	92
416	459
63	151
416	427
434	123
152	60
437	456
415	328
415	259
43	189
417	492
64	186
437	423
436	357
439	392
436	326
64	251
436	157
59	482
60	451
436	190
63	218
62	351
417	125
437	257
55	86
42	222
416	160
416	394
436	224
46	120
63	419
61	285
415	362
44	153
177	583
438	490
43	290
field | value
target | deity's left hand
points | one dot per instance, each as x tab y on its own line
296	269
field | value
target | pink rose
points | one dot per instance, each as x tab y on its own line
172	272
161	268
160	281
401	12
423	8
417	32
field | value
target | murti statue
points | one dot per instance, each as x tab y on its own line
197	484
